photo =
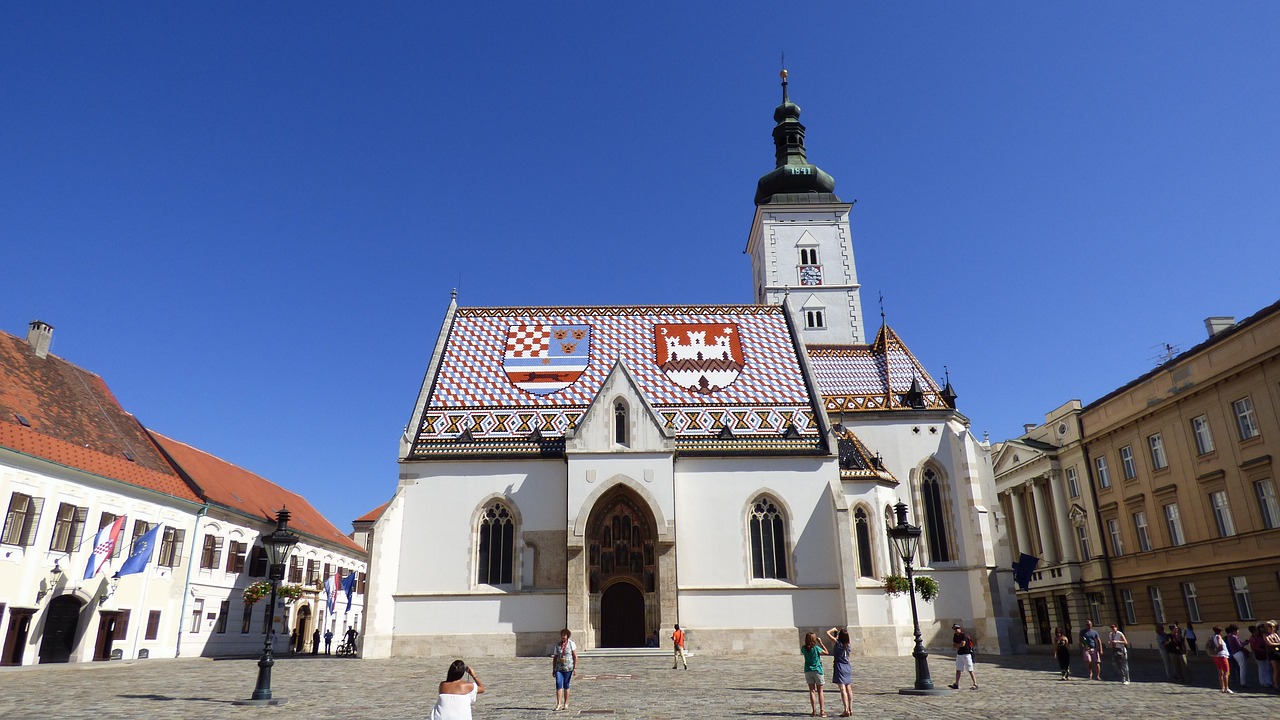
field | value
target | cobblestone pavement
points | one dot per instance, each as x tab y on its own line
316	688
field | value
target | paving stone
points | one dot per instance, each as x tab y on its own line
321	687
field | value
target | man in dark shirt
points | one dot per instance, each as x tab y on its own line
1091	646
1176	644
964	657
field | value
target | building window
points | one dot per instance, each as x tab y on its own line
862	528
1144	536
1095	608
620	435
1130	608
1240	590
235	557
197	609
257	561
1082	535
1192	602
68	528
313	573
1104	475
223	611
813	319
895	560
211	554
1126	462
171	548
1073	482
295	569
768	541
246	619
935	518
1117	543
1202	434
22	520
1246	423
1173	521
1158	459
1267	505
1157	604
140	528
808	256
107	519
1222	513
153	625
497	545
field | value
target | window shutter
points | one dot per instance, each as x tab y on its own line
32	522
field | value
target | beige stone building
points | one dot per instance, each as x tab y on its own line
1156	503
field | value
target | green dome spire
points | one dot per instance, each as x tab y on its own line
794	179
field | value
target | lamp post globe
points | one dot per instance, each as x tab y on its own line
277	546
906	540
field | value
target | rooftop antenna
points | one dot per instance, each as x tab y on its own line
1164	353
882	307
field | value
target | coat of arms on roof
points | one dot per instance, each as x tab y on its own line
701	357
543	359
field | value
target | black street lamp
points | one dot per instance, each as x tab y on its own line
277	545
906	538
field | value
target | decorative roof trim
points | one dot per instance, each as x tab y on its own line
614	310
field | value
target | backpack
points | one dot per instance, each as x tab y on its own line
969	644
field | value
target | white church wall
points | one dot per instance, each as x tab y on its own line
651	475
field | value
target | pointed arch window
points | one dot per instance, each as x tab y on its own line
935	517
862	530
620	434
497	545
768	540
814	319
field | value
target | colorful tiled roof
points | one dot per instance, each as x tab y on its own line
233	487
871	377
856	461
73	419
507	375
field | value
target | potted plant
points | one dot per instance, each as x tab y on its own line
926	587
896	585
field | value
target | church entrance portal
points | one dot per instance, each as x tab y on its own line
622	616
622	570
60	623
302	629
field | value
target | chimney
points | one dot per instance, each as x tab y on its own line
1218	324
1027	428
39	336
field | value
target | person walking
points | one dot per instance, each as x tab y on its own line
963	644
315	642
677	638
1272	640
1091	648
1062	651
1235	646
1119	652
1217	648
813	650
1177	646
328	641
841	670
456	695
564	665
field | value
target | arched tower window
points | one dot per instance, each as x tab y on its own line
862	530
620	435
497	545
935	517
768	540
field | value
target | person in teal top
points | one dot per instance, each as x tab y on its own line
813	650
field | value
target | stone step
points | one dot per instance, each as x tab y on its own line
639	652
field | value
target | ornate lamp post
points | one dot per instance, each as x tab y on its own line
277	545
906	538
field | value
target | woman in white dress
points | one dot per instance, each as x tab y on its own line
457	695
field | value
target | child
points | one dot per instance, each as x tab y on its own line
813	650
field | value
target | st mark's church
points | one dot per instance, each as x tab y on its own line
731	468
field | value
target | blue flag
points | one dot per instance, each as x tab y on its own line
1023	569
349	585
140	555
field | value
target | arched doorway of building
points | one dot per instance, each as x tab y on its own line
622	616
60	623
622	570
303	628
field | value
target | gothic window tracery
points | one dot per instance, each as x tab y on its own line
935	517
621	543
862	530
768	540
497	545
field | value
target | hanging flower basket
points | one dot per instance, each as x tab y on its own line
262	589
926	587
896	585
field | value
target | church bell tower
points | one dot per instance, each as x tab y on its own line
800	244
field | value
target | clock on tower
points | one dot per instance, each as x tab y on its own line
810	275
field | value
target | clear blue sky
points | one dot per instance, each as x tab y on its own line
247	217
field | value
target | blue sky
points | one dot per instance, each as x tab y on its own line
248	217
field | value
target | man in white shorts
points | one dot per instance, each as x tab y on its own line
964	657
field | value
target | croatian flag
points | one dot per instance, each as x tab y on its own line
330	592
103	544
349	585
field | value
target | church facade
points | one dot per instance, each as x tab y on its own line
620	469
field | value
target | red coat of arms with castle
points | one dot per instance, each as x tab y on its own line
702	357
